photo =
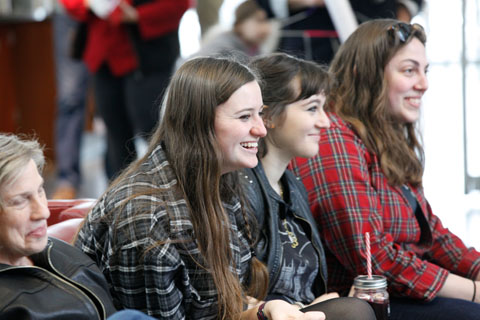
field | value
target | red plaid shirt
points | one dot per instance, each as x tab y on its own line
349	195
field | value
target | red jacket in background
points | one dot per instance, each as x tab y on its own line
109	41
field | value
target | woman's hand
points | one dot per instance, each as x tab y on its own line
303	4
130	14
460	288
325	297
282	310
477	292
403	14
252	302
351	292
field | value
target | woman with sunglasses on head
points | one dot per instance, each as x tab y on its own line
367	177
171	234
287	240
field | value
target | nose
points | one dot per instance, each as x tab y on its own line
258	129
422	84
40	208
322	120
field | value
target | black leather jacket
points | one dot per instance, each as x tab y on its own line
269	248
63	284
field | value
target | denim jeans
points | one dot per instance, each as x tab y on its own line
72	84
130	315
437	309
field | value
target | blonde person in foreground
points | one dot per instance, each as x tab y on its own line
171	233
42	278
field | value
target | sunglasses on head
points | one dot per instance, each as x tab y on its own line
402	31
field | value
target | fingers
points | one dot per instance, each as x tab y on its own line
282	310
326	296
313	315
351	292
332	295
252	302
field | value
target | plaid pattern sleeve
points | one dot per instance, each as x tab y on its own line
349	195
449	251
146	248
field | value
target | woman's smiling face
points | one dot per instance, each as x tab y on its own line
406	78
23	217
239	126
297	132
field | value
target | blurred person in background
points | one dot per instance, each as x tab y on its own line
208	12
312	15
131	47
250	30
72	85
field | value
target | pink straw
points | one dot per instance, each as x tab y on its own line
369	255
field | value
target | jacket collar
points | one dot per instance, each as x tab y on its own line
39	259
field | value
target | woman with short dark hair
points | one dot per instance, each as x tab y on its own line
288	242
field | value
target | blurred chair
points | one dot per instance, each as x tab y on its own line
66	217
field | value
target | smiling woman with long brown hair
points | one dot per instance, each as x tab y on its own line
367	177
171	233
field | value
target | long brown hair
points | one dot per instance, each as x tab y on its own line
360	97
278	72
187	132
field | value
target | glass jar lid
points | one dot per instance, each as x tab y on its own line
375	282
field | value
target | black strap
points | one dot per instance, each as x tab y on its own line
426	233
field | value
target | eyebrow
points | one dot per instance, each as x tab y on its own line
306	103
415	62
249	109
28	192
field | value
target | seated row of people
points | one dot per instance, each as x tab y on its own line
175	241
172	234
210	220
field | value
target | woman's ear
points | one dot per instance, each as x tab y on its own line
269	124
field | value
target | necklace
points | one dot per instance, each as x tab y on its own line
291	235
280	188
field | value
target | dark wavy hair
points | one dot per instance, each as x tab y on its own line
360	96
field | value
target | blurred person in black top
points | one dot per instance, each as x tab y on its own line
312	15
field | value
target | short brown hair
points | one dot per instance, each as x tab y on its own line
245	10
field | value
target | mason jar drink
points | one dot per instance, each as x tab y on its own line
374	291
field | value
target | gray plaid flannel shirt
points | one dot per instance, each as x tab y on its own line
167	281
